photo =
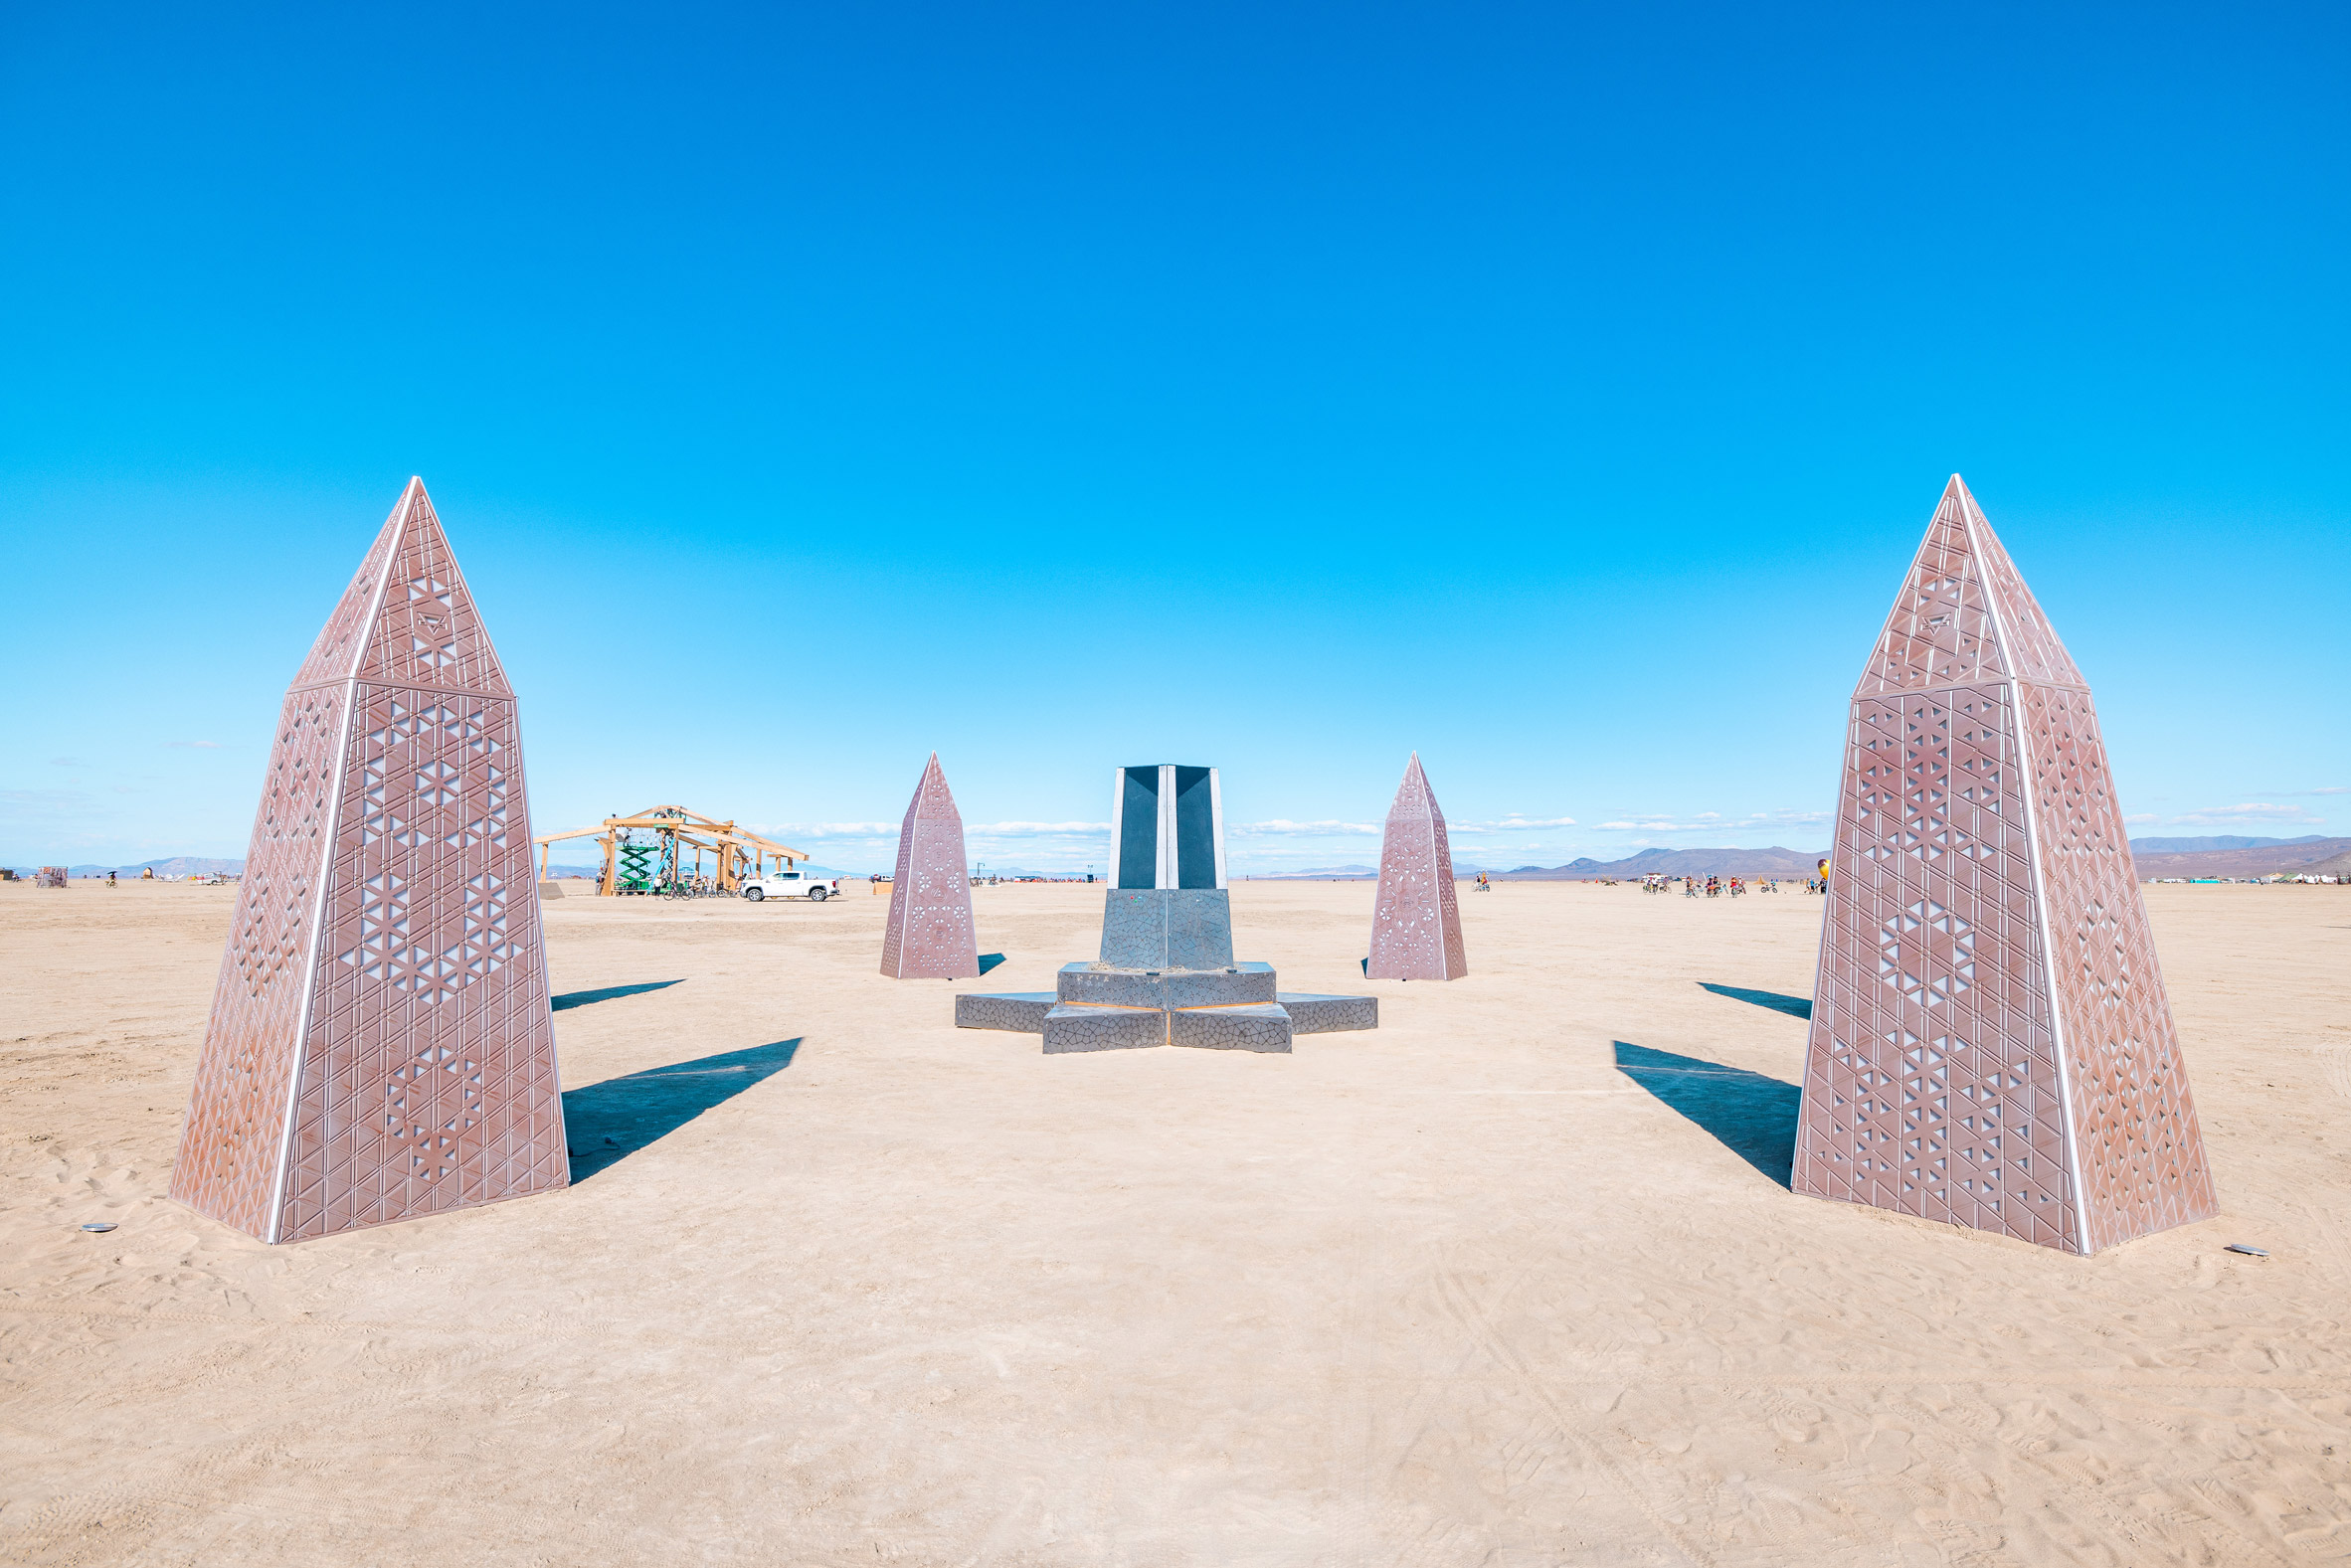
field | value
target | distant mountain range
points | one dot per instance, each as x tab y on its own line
2216	857
2259	859
2189	846
1772	862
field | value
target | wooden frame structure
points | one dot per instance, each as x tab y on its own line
737	853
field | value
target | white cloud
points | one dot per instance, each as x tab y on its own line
1283	827
1717	822
857	831
193	746
2251	811
44	802
1512	823
1041	829
2329	789
790	830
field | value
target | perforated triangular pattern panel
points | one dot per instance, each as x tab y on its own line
1933	1082
1939	632
426	631
429	1074
425	1077
233	1140
336	654
2141	1153
2028	640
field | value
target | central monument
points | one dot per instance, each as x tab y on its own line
1168	908
1166	974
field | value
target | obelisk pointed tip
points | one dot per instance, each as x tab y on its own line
1413	793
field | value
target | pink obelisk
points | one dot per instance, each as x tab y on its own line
931	936
380	1045
1991	1044
1416	918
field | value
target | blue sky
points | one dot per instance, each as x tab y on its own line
1557	392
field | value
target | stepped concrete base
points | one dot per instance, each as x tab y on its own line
1022	1012
1264	1026
1129	987
1310	1013
1084	1028
1114	1007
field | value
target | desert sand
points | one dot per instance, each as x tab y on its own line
1515	1280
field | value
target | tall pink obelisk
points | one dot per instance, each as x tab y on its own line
1416	916
1991	1043
931	935
380	1045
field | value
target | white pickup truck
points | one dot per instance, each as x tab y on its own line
791	884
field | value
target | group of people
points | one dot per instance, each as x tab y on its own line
1709	887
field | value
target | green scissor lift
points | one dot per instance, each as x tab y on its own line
638	873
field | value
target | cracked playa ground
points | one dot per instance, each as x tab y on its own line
1512	1280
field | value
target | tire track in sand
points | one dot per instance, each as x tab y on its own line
1470	1313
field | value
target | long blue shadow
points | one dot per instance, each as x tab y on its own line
1753	1115
1793	1006
582	998
608	1122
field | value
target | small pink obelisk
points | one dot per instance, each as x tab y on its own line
1416	922
931	935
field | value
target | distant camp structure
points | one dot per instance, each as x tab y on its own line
662	847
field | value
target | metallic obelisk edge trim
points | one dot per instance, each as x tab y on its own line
1217	822
1118	817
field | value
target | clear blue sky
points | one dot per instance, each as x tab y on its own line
1559	392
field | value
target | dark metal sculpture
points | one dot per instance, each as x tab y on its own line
1991	1044
1166	974
380	1045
